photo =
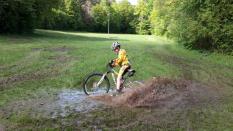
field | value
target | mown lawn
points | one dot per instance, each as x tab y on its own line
53	60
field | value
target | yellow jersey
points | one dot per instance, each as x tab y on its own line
122	58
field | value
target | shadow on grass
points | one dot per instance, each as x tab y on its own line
60	35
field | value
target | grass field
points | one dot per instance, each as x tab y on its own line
48	61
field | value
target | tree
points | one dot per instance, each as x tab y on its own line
19	16
143	11
123	18
68	16
100	16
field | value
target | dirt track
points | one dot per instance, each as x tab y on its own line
193	69
51	70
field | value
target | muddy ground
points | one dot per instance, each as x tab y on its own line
158	97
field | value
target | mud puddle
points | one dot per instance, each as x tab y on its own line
52	105
70	101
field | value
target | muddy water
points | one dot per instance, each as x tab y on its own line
69	101
60	103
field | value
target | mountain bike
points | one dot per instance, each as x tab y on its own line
98	83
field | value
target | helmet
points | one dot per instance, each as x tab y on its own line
115	45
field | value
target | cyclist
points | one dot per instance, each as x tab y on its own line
121	61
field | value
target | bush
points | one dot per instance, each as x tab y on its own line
18	16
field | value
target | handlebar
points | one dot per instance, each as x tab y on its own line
109	67
110	63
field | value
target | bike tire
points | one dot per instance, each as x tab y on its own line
87	87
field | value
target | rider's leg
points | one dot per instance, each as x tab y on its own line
118	86
120	76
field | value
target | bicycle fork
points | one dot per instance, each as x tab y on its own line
113	77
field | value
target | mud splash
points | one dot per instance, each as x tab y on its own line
163	93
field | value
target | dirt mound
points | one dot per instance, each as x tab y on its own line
60	58
53	49
162	92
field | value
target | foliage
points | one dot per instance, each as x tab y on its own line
66	17
202	24
143	10
17	16
121	17
100	14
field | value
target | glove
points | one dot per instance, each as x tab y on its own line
111	63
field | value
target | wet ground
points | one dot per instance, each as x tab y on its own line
58	104
69	101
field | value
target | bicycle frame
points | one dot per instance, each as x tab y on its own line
113	72
102	77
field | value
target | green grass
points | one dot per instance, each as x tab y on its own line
51	60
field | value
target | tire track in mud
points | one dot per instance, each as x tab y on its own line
61	60
197	70
38	75
53	49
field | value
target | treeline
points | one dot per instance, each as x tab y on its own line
199	24
92	15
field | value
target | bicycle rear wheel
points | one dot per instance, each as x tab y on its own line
90	86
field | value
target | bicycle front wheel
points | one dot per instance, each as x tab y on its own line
94	84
